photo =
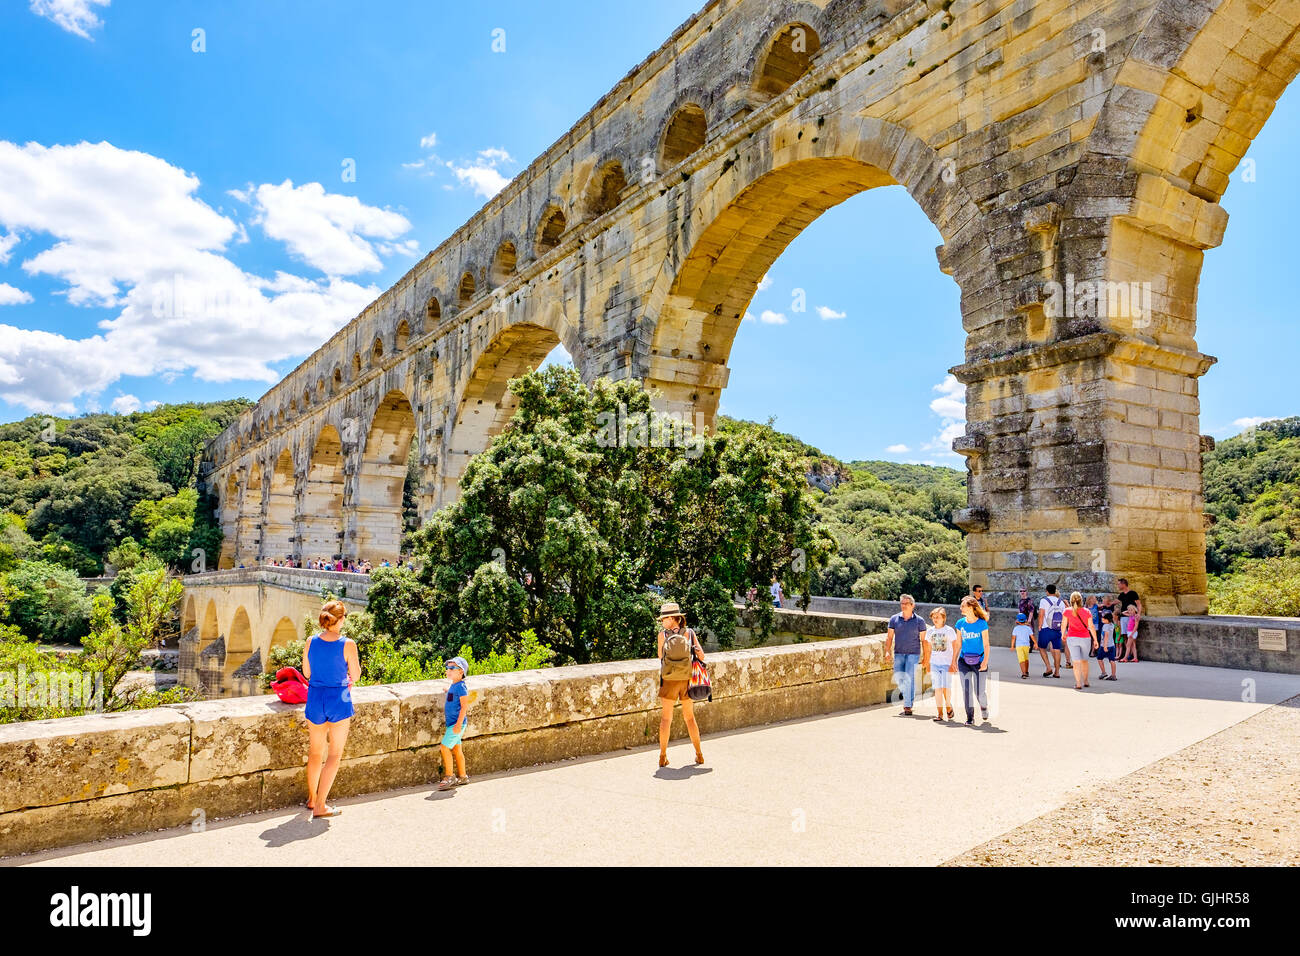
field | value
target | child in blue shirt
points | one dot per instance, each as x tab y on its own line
456	712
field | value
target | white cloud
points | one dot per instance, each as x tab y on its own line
132	235
950	406
747	317
764	282
417	165
125	404
1253	422
325	230
828	313
12	296
951	403
7	244
768	317
429	142
897	449
75	16
483	175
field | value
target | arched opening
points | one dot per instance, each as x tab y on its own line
432	313
377	350
277	531
382	478
684	134
550	230
336	380
356	365
787	58
504	263
209	630
230	507
322	505
465	291
729	259
780	278
285	633
190	616
607	189
402	336
486	404
248	533
239	644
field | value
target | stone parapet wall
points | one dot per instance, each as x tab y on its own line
88	778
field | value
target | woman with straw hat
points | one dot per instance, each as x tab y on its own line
678	647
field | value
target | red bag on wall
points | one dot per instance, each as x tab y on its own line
290	686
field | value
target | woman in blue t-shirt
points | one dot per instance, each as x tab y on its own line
973	656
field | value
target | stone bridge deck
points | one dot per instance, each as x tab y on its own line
859	787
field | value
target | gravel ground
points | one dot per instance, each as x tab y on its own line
1227	800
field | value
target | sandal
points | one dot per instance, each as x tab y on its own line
950	713
1047	673
447	783
330	812
699	757
938	720
461	781
663	759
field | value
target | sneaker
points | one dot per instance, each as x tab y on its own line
984	714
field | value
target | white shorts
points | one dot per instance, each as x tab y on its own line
1079	647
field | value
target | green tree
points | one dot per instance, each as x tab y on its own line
47	602
578	507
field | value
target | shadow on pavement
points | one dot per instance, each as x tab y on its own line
681	773
294	829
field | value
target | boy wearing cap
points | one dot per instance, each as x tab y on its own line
1022	638
456	712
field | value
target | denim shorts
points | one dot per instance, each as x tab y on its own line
1049	639
940	679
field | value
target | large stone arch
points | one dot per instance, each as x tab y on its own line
483	403
321	518
745	220
277	528
381	476
285	632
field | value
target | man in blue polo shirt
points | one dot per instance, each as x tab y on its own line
903	640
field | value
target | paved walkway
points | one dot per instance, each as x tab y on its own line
862	787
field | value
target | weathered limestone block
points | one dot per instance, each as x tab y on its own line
249	734
48	762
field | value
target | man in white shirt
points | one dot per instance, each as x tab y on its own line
1051	612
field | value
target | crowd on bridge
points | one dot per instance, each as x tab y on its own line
348	565
1101	627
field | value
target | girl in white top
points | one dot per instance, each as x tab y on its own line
941	661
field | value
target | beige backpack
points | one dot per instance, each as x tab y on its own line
679	650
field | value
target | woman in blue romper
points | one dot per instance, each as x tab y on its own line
331	666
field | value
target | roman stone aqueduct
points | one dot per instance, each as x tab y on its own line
1053	143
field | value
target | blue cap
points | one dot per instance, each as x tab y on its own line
459	662
1020	619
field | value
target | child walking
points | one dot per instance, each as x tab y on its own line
456	712
1106	646
1022	638
939	641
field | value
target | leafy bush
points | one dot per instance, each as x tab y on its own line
47	602
1266	588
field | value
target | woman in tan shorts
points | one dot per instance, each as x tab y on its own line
676	638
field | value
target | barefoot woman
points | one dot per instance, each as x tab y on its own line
331	666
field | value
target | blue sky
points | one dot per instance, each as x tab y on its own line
137	174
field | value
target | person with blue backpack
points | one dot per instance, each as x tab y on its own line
973	657
1051	614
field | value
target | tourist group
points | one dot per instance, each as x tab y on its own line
1097	627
